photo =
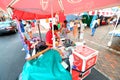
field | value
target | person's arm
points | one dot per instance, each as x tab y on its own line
68	31
48	44
57	39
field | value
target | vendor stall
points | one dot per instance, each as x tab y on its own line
68	61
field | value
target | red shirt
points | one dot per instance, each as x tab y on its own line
49	37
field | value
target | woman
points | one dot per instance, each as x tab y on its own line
28	30
64	30
75	31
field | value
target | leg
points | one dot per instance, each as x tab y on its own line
93	31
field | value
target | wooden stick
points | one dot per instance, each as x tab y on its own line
38	54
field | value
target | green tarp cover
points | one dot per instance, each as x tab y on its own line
46	67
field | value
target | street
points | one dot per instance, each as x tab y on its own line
11	57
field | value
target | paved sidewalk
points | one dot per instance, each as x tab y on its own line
109	57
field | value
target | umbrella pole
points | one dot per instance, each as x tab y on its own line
38	23
78	28
53	38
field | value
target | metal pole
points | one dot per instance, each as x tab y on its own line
53	38
38	23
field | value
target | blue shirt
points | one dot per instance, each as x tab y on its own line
22	27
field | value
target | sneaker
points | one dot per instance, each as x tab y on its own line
92	35
23	49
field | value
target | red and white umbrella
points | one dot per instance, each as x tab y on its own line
5	3
68	6
44	7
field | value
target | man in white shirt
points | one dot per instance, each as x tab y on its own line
94	26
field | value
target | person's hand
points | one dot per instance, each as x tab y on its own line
35	43
56	43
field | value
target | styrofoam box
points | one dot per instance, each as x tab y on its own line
84	57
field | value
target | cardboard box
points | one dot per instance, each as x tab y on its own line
84	58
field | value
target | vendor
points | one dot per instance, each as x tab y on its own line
64	30
28	30
49	36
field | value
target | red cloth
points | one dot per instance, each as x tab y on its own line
28	43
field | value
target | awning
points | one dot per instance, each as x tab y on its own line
27	15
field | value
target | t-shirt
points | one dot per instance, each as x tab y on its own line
64	32
28	28
58	26
49	37
75	30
